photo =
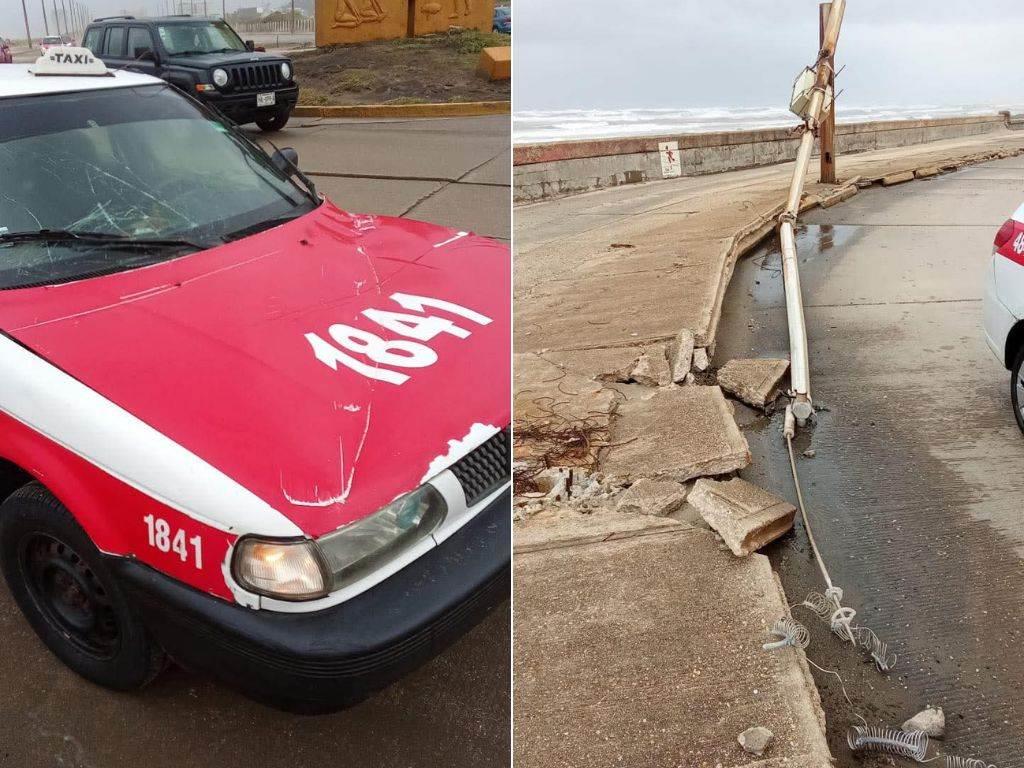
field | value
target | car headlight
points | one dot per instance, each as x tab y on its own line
363	546
220	78
290	570
286	71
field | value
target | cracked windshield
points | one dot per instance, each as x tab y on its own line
105	185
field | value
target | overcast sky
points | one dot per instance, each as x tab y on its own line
580	54
12	23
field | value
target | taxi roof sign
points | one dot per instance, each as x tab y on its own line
68	60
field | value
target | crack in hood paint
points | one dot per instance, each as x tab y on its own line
210	349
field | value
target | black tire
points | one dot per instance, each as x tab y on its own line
274	123
1017	388
69	597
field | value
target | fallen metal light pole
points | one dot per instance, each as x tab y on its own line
798	363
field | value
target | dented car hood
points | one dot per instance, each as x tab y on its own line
231	353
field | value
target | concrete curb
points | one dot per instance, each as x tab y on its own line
453	109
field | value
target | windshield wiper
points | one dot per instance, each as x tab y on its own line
190	53
100	238
259	226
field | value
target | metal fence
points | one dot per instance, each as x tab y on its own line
305	25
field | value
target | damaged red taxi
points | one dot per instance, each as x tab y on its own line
242	428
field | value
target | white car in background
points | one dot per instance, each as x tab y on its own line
1004	305
48	42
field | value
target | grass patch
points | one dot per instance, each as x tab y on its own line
473	41
356	80
313	97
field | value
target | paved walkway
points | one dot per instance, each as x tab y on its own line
604	627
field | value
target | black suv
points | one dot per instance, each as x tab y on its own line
206	59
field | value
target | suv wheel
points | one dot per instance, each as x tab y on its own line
273	123
63	587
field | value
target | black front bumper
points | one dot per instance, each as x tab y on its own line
241	107
330	659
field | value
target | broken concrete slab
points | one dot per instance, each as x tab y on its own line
680	355
561	418
745	516
926	173
676	433
558	525
897	178
646	651
651	369
753	381
652	497
841	194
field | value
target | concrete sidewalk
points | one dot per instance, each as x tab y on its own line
636	647
642	647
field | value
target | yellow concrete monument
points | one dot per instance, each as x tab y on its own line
431	16
355	21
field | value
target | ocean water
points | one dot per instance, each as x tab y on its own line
573	124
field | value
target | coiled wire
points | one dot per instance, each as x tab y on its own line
966	762
828	607
790	633
875	738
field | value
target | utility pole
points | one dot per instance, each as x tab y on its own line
827	131
63	4
46	24
28	32
799	370
293	17
56	17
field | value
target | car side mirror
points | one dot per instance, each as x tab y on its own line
250	45
285	160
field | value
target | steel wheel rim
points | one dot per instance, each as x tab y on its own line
69	595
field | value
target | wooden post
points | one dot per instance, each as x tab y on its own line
827	129
28	32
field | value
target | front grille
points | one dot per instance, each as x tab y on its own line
255	77
485	469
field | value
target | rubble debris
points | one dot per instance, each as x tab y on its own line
926	173
864	183
652	497
700	360
621	375
810	453
755	740
745	516
897	178
676	433
651	370
752	381
841	194
680	355
689	380
931	720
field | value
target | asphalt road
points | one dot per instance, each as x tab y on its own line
915	488
455	711
451	171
